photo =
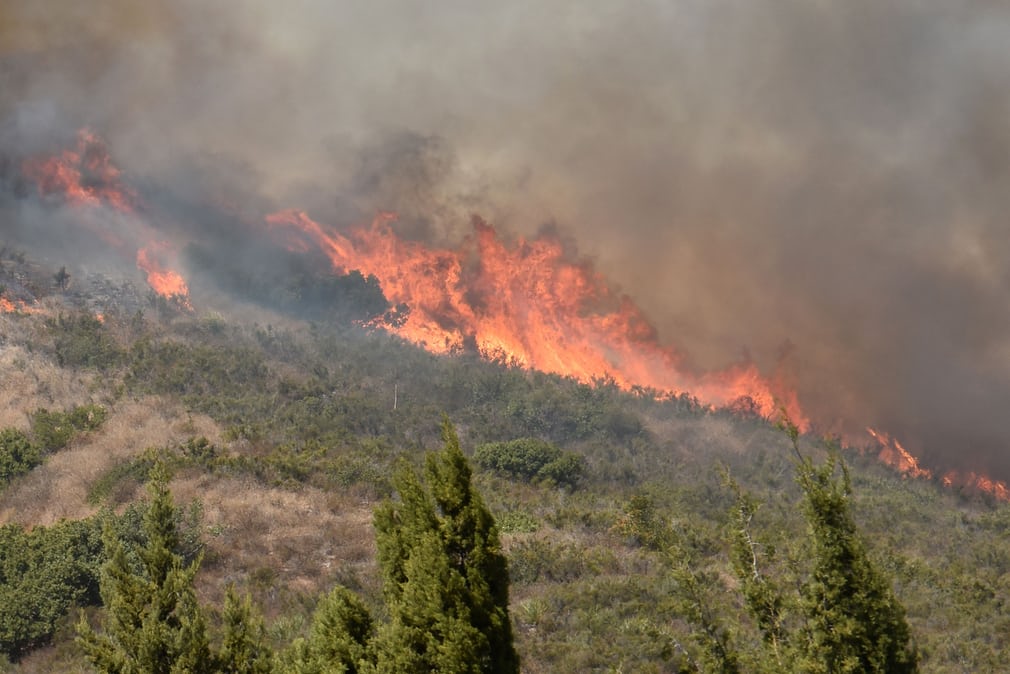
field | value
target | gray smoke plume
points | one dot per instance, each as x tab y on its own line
829	176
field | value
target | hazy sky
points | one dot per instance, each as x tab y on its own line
823	177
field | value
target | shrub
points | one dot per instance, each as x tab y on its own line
17	455
42	574
53	430
83	341
531	459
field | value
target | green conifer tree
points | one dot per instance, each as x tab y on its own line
445	575
153	623
339	639
854	621
243	645
850	619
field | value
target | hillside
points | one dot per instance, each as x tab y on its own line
281	434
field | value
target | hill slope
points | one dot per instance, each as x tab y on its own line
282	435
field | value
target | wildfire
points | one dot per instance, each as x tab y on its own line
527	304
86	177
8	306
165	282
523	302
895	455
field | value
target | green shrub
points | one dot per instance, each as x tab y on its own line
517	522
17	455
42	574
531	459
83	341
53	430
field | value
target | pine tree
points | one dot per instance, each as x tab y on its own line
854	621
339	640
243	646
153	623
445	575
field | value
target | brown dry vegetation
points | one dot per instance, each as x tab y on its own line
278	538
31	380
59	488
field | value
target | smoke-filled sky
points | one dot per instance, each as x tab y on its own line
818	178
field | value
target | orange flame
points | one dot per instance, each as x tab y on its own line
87	177
167	283
896	456
84	177
8	306
527	304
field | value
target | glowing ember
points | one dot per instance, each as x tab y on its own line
526	304
8	306
165	282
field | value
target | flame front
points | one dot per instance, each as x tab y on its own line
86	177
897	457
8	306
527	304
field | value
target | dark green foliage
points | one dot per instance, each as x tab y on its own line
182	369
42	574
445	578
854	622
153	622
318	409
122	477
843	619
341	631
531	459
17	455
244	648
53	430
81	340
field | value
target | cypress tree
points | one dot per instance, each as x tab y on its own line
854	621
153	623
445	575
243	644
339	639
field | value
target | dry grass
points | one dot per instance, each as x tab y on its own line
58	489
31	380
299	540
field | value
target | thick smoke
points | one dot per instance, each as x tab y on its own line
832	176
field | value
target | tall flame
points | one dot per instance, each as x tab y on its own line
526	303
523	302
86	177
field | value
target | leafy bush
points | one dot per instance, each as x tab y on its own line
53	430
531	459
17	455
83	341
42	574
